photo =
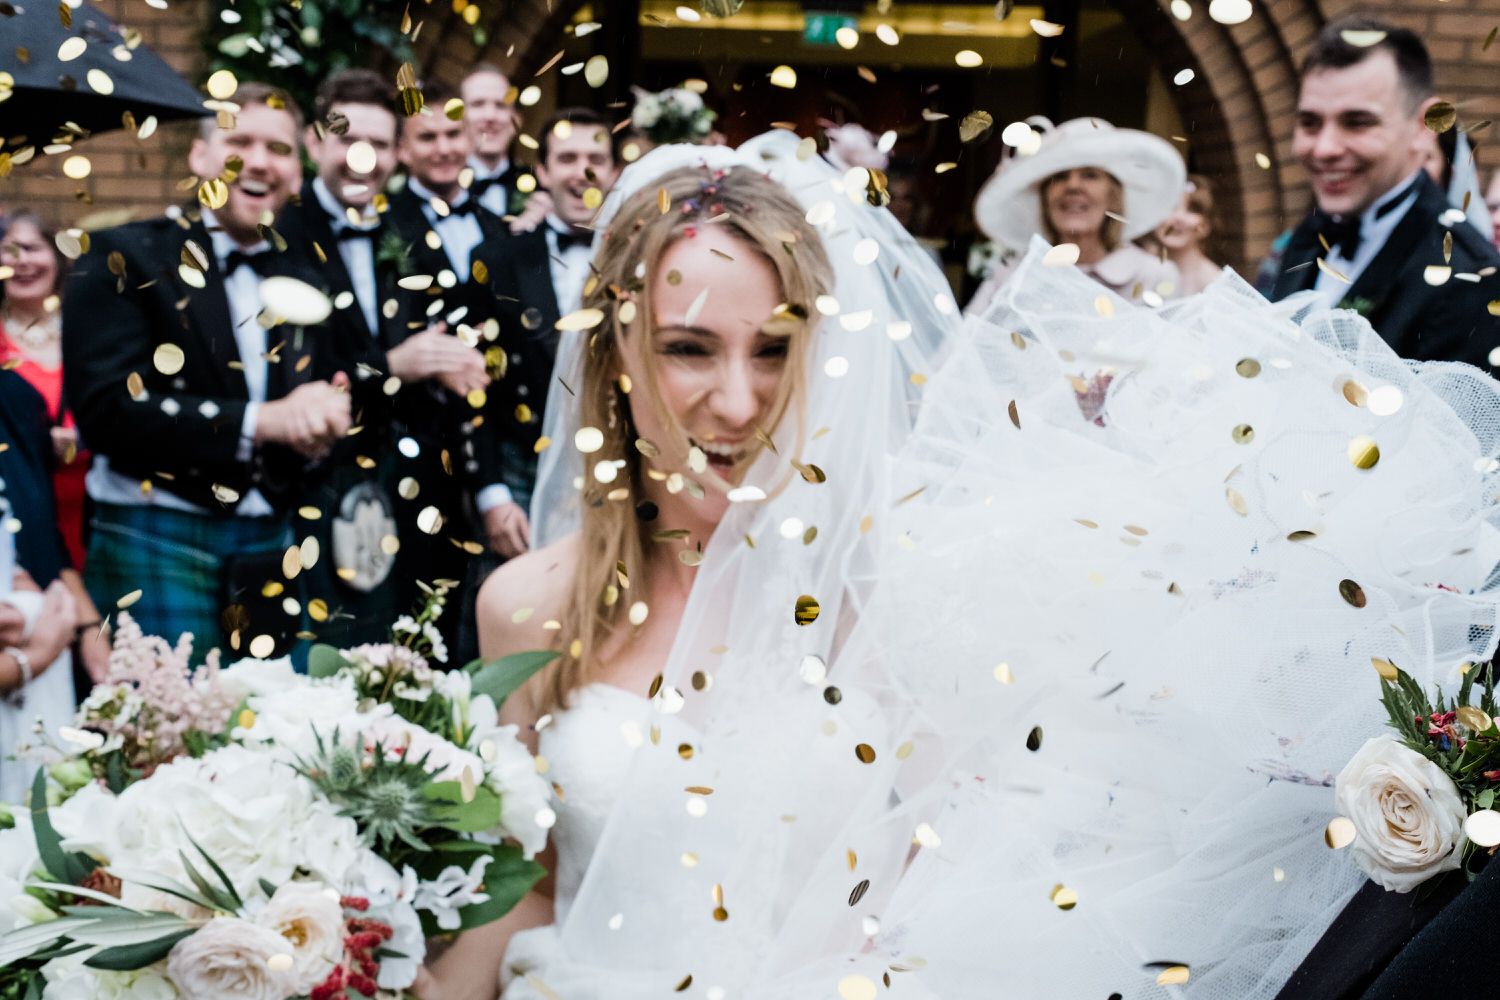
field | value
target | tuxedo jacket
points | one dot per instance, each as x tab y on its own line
525	303
183	430
1447	322
405	216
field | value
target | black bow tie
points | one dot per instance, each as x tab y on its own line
1344	233
481	185
350	233
259	262
466	207
566	240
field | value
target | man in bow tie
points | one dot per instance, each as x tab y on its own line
1381	238
491	119
204	410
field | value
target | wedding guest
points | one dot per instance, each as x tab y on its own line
364	583
1092	185
31	342
1361	138
1184	234
492	122
203	423
1492	199
1449	161
536	278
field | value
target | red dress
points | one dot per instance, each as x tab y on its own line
67	478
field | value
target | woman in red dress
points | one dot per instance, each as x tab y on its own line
31	344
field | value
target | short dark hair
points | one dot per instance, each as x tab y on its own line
254	92
1330	50
587	117
354	86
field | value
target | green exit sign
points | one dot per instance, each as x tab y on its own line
822	29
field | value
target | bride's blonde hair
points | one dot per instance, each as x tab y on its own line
612	569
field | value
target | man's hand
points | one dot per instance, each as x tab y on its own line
436	354
535	212
508	530
310	418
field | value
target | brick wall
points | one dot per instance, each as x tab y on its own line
129	175
1239	104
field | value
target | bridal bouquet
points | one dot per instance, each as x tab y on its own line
674	115
256	833
1420	804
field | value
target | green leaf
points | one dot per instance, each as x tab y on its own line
220	901
324	660
475	816
161	883
267	888
65	866
229	889
129	957
499	678
83	893
26	941
131	930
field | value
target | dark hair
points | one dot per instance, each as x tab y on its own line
484	67
47	232
1330	50
353	86
587	117
254	92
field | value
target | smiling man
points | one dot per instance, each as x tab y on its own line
1377	239
203	421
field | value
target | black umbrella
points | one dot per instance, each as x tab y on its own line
47	92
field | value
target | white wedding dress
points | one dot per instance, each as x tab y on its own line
1097	592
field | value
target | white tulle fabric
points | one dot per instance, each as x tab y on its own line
1196	677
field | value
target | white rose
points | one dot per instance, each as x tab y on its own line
511	774
287	716
255	816
1408	815
230	958
309	917
249	676
687	101
69	979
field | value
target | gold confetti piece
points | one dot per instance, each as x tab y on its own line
1046	28
1277	874
592	198
213	193
866	755
262	646
806	611
71	48
1247	368
222	85
596	71
1437	274
784	76
100	82
1104	307
128	599
975	125
1476	720
168	359
887	34
858	892
865	524
1237	502
1243	434
1062	255
1363	452
1440	117
1064	898
1034	739
968	58
135	385
1385	668
1175	974
1015	414
1301	536
1352	593
689	859
905	750
225	495
1340	832
583	319
1086	522
1328	268
1362	39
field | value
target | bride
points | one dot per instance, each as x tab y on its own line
913	658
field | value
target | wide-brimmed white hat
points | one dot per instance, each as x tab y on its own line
1009	206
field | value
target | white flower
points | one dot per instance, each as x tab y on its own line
255	816
86	822
288	716
406	625
439	651
230	958
249	676
647	110
451	891
402	955
455	685
687	102
1408	815
511	774
69	979
309	917
399	738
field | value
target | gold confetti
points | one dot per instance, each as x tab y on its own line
1437	274
1062	255
1363	452
806	611
1243	434
1176	974
128	599
857	987
1237	502
1034	739
1064	898
596	71
213	193
1475	719
168	359
784	76
968	58
1003	674
1440	117
1483	827
583	319
1046	28
1247	368
1340	832
1015	415
262	646
865	753
135	385
1362	39
975	125
1353	593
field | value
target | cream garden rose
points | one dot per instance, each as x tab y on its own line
230	959
1408	815
308	916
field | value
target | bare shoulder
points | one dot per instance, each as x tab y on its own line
523	594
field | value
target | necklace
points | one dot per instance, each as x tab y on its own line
34	336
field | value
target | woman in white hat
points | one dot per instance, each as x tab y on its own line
1087	183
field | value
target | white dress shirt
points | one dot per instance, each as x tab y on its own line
497	196
1374	229
242	289
459	232
358	255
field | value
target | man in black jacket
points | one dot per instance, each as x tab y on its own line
366	524
203	412
1382	239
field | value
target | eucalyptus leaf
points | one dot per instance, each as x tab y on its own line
131	930
499	678
62	865
324	660
25	941
128	957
